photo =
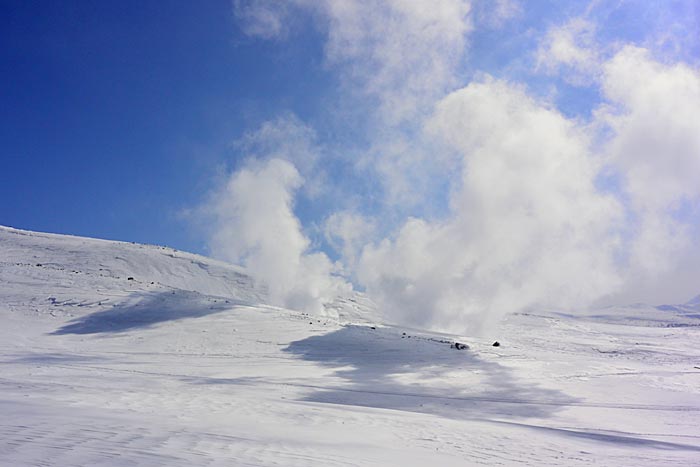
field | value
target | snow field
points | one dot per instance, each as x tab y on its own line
186	365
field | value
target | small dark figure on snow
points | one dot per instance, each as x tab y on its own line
459	346
496	344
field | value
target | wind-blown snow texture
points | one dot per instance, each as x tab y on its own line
185	364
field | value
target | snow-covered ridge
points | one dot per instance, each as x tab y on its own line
642	315
44	259
40	270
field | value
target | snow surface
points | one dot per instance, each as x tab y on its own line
185	364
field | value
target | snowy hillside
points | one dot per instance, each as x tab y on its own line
123	354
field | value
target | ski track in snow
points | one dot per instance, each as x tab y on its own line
185	364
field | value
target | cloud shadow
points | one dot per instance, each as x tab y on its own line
146	310
444	381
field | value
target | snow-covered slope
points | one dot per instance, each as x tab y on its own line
49	273
74	267
186	364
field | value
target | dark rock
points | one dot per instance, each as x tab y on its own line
496	344
130	278
460	346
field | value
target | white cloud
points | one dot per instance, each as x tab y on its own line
287	138
649	126
570	50
254	225
266	19
496	13
403	56
527	225
404	53
252	220
396	58
348	232
653	114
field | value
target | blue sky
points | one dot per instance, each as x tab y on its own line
114	115
452	158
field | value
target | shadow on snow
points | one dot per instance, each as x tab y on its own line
147	310
421	375
50	358
374	362
623	439
380	369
